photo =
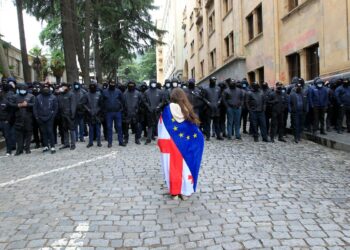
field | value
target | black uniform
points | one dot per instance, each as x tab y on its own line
23	104
67	108
79	92
133	102
92	103
37	135
278	102
153	103
5	119
213	95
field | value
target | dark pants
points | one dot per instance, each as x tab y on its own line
277	125
46	129
137	128
298	121
216	124
68	131
258	121
319	113
344	111
79	127
234	122
94	129
115	117
36	132
23	139
5	127
244	117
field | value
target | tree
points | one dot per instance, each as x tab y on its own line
22	38
40	63
57	65
68	41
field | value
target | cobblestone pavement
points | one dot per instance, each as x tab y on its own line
251	195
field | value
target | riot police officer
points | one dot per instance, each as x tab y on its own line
133	102
23	104
67	107
213	94
153	103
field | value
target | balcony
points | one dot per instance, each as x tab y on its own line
208	3
199	15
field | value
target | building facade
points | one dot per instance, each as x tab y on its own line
264	40
170	54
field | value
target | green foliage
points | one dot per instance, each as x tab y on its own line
139	70
57	63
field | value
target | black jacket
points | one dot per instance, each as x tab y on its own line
23	116
255	101
233	98
45	107
278	102
92	104
133	101
213	95
67	105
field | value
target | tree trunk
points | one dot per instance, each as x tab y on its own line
3	62
22	38
87	36
58	79
79	45
97	53
68	42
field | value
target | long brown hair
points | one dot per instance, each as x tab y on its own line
178	96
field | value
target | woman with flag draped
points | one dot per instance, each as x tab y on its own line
181	143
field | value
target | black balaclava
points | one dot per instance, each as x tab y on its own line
264	86
232	84
131	86
299	88
112	85
212	82
105	85
255	86
245	84
93	87
191	84
45	90
346	83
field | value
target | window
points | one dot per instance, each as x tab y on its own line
193	73
213	59
261	74
202	68
232	43
259	16
294	65
191	18
211	23
227	46
200	37
226	6
292	4
250	23
192	48
251	77
313	62
18	67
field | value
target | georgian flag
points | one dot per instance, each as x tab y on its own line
181	145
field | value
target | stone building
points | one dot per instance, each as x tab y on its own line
172	50
270	40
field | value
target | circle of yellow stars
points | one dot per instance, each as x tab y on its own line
182	135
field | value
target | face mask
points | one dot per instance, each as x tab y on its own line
175	84
283	91
153	85
298	89
17	91
92	88
244	86
46	91
184	87
232	86
168	85
112	87
255	87
131	87
212	84
191	85
319	85
76	86
347	84
22	92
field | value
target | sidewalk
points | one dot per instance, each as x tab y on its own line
331	140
